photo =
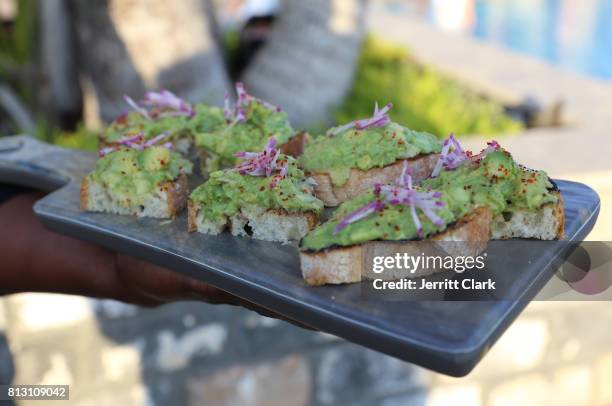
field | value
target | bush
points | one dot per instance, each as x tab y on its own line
423	99
80	139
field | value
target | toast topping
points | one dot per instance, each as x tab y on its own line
379	119
401	193
267	180
168	114
132	174
492	178
246	127
389	212
137	141
365	144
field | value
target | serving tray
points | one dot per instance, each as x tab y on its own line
446	336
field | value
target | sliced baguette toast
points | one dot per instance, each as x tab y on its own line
546	223
268	225
167	201
339	265
360	181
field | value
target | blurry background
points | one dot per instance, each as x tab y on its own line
532	73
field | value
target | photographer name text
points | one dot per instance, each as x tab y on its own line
422	284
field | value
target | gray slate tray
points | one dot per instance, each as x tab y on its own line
447	336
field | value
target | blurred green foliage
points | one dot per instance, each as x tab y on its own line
17	43
80	139
423	99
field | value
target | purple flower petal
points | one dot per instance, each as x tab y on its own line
379	119
401	193
136	142
140	110
244	100
156	139
264	163
358	214
451	157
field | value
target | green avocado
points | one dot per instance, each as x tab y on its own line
496	181
261	123
205	119
365	149
155	158
393	223
227	191
132	175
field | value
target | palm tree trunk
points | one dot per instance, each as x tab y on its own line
127	47
308	64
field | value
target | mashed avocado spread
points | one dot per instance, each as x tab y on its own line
393	223
365	149
261	123
132	175
227	191
496	181
206	118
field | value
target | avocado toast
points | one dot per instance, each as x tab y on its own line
265	196
526	203
475	198
137	177
163	112
351	159
247	126
394	213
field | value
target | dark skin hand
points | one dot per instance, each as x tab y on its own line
37	260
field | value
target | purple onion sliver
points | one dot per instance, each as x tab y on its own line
143	112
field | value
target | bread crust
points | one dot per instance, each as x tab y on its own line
339	265
360	181
192	212
295	146
84	194
177	192
559	212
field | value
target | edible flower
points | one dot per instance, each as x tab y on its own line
137	141
400	193
263	163
491	146
453	156
379	119
243	101
161	104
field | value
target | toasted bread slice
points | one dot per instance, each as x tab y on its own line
268	225
339	265
167	201
361	181
546	223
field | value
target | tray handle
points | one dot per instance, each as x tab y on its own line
26	161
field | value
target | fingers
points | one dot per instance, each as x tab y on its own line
160	285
